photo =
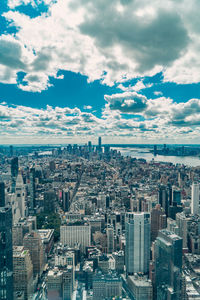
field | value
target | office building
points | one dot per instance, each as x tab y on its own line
158	221
60	284
195	199
22	271
66	200
137	251
106	286
49	201
33	243
73	235
163	198
32	189
6	252
99	145
140	287
14	167
110	239
168	265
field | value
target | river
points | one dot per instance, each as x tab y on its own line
191	161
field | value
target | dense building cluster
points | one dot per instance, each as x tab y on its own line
85	222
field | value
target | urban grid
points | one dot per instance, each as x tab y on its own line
85	222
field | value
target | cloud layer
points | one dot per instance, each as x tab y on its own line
152	120
107	40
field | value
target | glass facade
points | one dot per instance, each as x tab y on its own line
6	257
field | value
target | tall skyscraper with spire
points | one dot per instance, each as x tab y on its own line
6	252
99	145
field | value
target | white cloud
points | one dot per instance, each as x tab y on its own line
88	107
113	42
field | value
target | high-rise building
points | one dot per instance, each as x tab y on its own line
110	239
6	252
14	166
66	199
137	251
33	243
2	194
32	188
168	266
158	221
22	271
99	144
176	196
49	201
163	198
20	194
195	199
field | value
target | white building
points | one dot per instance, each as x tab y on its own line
195	199
73	235
137	251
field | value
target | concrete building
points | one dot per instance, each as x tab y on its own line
137	251
33	243
47	237
72	235
60	284
22	271
158	221
106	286
140	287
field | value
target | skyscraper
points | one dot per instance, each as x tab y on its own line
163	198
195	199
32	188
33	243
14	167
2	194
99	144
168	266
20	194
110	239
22	271
137	251
158	221
6	263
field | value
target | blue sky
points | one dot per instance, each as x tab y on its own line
73	70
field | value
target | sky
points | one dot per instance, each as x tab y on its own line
125	70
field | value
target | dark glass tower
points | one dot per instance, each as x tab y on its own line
168	266
6	253
14	167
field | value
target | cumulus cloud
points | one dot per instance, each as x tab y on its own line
128	102
110	41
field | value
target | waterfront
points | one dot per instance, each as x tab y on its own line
144	153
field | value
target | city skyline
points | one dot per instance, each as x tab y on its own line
126	70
